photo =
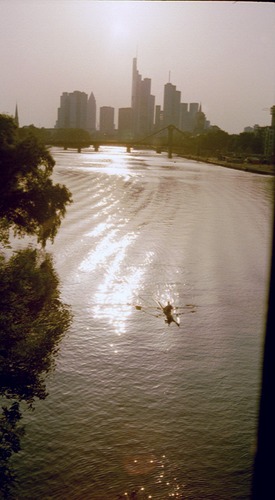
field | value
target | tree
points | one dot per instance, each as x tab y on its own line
30	203
71	138
33	321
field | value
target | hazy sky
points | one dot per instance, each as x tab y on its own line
218	53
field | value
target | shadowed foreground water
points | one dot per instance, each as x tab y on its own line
135	405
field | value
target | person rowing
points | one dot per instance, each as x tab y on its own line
168	312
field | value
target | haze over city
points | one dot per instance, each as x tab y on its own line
220	54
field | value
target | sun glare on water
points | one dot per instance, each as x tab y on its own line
119	285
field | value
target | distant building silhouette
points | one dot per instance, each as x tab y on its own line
269	145
91	114
107	120
184	117
142	103
171	105
76	111
200	121
141	119
193	110
125	120
187	117
158	117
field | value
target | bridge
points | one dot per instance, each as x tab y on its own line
128	144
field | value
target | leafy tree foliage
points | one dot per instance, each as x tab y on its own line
71	137
247	143
30	203
33	320
11	433
32	317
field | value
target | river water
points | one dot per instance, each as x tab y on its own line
135	405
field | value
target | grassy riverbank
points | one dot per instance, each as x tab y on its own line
244	166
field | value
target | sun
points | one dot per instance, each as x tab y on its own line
119	31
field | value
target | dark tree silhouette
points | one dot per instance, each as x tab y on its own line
32	317
30	203
33	321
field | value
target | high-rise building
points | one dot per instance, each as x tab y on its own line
200	121
107	120
142	103
269	144
76	111
158	117
91	113
63	112
184	117
193	110
171	105
125	120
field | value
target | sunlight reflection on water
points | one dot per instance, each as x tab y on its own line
128	388
117	293
113	161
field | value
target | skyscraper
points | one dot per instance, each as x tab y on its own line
158	117
200	121
76	111
91	113
184	117
193	110
143	104
171	105
106	120
125	120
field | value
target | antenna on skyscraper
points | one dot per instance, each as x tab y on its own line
169	76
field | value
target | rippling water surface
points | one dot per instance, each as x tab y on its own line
136	405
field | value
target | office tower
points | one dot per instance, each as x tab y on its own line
72	112
63	112
142	104
269	142
184	117
91	113
171	105
158	117
200	121
78	111
106	120
193	110
125	120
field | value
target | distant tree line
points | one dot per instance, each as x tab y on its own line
215	142
212	142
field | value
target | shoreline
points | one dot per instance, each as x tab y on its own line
244	167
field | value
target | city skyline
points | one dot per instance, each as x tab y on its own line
216	53
77	110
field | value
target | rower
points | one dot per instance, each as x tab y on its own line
168	310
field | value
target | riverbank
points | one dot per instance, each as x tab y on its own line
246	167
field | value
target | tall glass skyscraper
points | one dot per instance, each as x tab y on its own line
142	104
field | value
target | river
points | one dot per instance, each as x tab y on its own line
137	408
